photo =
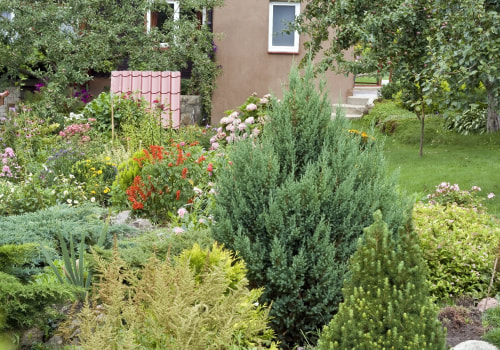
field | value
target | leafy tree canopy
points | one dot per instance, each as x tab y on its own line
67	41
422	43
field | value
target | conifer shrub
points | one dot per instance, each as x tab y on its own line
294	202
199	301
27	304
387	303
42	227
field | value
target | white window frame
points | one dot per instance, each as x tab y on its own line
177	11
282	49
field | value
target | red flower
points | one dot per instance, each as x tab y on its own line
137	205
201	159
178	195
184	172
210	167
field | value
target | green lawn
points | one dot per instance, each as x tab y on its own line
369	79
466	165
472	160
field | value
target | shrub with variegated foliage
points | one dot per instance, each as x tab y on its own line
459	245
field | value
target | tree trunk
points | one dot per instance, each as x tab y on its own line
493	123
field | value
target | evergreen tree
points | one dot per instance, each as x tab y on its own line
387	303
294	203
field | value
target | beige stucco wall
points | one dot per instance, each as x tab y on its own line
247	66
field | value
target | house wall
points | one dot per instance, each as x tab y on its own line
247	66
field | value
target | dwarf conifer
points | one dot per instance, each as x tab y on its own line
387	304
294	202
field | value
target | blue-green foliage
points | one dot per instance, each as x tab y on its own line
294	203
42	227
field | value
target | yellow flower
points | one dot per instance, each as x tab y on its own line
93	192
106	190
99	172
107	159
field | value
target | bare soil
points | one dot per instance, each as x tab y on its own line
463	322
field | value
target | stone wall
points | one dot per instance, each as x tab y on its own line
11	100
190	109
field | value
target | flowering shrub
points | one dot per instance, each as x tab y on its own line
10	168
446	193
459	245
169	177
247	121
77	131
97	177
29	195
197	214
83	95
59	163
364	137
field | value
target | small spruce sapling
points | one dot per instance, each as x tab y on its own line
387	304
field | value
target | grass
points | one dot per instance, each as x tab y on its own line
368	79
472	160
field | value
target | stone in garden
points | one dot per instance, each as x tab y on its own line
475	345
142	224
487	303
32	335
122	217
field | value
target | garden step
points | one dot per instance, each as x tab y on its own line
352	109
358	100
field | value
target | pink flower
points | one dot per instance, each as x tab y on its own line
215	145
242	126
251	107
250	120
491	195
264	100
178	230
181	212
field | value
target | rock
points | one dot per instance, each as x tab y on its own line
125	218
55	342
31	336
122	217
475	345
487	303
142	224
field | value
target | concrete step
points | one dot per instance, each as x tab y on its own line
358	100
349	116
366	91
351	109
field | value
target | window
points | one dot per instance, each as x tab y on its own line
158	18
281	16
